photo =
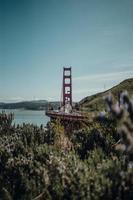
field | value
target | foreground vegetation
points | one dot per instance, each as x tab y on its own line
95	162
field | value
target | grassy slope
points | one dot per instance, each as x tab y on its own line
96	102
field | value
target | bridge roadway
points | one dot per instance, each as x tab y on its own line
73	116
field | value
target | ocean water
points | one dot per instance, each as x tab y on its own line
28	116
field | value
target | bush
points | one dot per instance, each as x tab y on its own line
95	162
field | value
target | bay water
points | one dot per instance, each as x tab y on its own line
28	116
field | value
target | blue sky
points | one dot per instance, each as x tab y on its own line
39	37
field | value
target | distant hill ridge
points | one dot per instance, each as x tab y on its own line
29	105
96	103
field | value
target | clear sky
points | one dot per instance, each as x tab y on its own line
39	37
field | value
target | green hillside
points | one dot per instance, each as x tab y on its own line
96	102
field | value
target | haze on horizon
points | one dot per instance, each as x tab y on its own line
38	38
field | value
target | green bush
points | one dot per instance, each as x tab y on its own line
99	164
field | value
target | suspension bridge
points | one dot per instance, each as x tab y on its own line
66	112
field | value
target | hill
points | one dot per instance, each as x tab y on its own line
96	102
29	105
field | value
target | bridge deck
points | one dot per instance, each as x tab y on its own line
74	116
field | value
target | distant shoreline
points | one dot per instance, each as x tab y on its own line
22	109
30	105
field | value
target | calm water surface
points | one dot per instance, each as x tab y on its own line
28	116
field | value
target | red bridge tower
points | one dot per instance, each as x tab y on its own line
67	86
66	113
